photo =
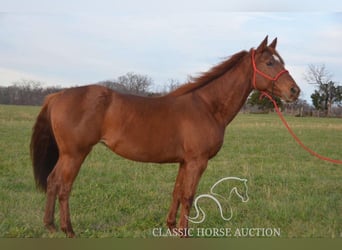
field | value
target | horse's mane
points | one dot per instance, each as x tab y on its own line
207	77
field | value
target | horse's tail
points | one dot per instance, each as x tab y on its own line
43	147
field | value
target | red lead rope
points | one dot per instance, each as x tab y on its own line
295	136
281	115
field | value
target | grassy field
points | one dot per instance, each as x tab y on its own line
112	197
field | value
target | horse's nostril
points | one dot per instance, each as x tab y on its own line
294	90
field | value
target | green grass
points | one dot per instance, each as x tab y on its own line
113	197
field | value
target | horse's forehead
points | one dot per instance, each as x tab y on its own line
276	55
277	58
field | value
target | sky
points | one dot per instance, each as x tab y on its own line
66	43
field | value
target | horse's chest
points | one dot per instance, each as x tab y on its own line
205	142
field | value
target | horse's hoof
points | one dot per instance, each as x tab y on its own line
171	224
68	232
51	227
71	235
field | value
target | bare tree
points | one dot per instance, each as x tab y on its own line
317	74
114	85
328	92
131	83
135	83
25	92
173	84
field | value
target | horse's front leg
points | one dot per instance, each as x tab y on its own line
192	173
171	218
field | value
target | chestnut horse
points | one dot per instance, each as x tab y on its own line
186	126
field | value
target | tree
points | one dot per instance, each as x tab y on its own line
327	92
25	92
130	83
114	85
263	104
135	83
172	84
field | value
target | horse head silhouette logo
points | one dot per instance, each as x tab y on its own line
227	187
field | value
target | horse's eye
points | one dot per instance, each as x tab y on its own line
270	62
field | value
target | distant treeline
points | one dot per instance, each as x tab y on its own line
29	92
25	93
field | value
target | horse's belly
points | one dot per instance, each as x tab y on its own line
143	155
148	151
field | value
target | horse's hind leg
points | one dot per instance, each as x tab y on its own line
69	171
60	183
51	194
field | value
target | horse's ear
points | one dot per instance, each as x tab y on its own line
262	45
273	43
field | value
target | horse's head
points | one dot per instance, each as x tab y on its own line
270	74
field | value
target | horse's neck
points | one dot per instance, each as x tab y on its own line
227	94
